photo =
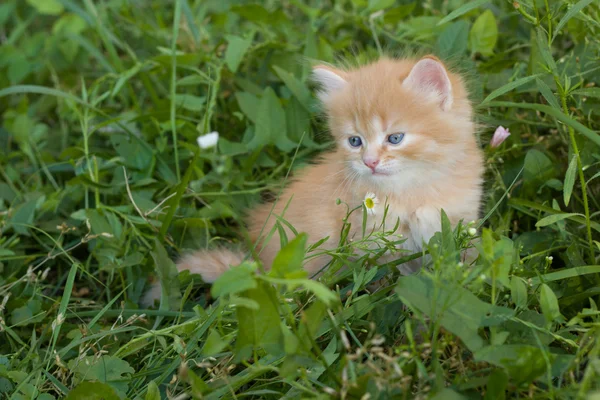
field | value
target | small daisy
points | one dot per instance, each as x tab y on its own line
371	202
209	140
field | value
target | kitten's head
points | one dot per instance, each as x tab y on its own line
397	122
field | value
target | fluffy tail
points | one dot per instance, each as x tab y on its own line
210	264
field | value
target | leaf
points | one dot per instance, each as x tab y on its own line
235	280
551	219
92	391
549	303
28	314
458	310
589	92
570	180
518	292
167	273
259	328
590	134
538	167
236	49
484	34
547	93
320	291
24	215
523	363
214	344
298	89
153	393
454	40
508	87
465	8
288	262
190	102
106	369
544	49
47	7
574	10
496	385
567	273
248	104
376	5
270	124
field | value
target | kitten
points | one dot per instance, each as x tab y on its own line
404	131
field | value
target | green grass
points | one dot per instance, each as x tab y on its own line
102	185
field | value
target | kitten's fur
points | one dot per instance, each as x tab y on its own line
438	164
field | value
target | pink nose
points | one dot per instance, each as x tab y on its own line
371	162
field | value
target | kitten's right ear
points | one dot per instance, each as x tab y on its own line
330	79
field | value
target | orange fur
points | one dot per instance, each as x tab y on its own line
437	165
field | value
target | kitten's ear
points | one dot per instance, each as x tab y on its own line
429	76
330	79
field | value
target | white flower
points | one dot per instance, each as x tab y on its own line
371	202
209	140
500	136
472	231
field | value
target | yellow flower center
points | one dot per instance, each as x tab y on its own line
369	203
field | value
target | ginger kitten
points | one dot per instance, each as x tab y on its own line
404	132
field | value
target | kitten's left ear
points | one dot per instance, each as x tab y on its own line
429	76
330	79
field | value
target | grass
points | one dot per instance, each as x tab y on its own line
102	185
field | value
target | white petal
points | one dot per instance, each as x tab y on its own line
209	140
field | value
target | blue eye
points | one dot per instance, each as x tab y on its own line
355	141
395	138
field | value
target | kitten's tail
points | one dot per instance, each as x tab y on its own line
210	264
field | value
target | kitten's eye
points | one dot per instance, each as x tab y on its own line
355	141
395	138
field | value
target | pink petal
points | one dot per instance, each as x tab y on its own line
499	136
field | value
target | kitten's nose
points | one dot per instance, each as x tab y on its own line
371	162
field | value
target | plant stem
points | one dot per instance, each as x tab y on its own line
563	98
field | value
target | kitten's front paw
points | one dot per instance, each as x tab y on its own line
427	222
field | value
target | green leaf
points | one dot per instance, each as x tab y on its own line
235	280
47	7
574	10
376	5
465	8
190	102
298	89
496	386
552	219
518	292
28	314
167	272
271	126
214	344
288	262
538	167
549	303
522	362
588	92
544	49
320	291
567	273
259	328
106	369
590	134
508	87
457	309
454	40
153	393
484	34
570	180
236	49
547	93
92	391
